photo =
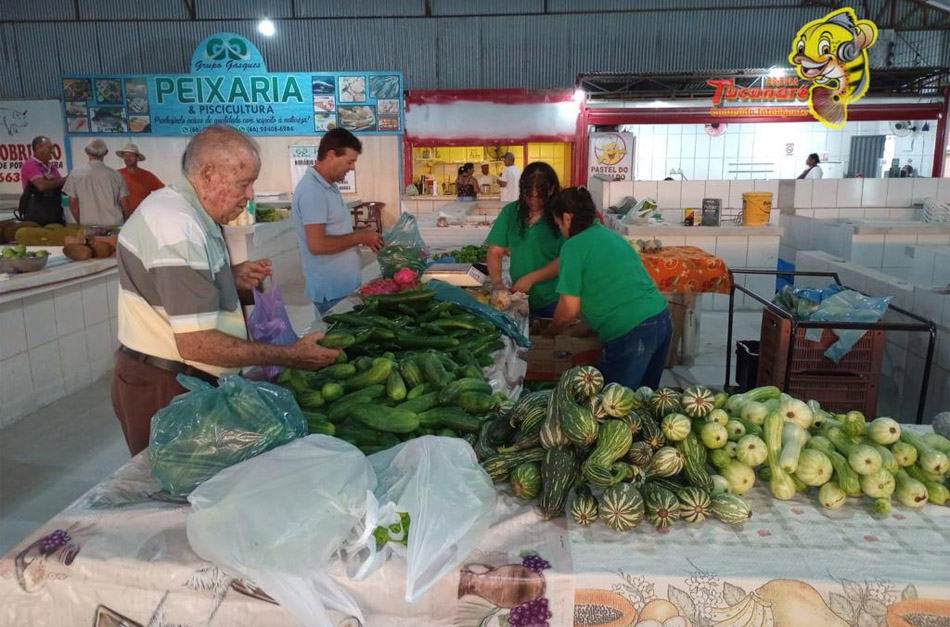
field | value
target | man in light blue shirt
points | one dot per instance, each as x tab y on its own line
329	247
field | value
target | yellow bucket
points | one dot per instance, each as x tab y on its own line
756	207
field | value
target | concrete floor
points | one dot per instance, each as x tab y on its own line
53	456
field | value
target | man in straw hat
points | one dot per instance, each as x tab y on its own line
140	182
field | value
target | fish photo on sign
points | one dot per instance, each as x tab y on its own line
324	84
323	122
77	109
108	91
108	120
388	107
359	118
326	104
77	89
385	86
135	87
352	89
140	124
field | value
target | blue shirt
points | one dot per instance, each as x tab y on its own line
317	202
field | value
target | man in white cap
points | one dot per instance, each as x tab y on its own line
485	179
97	194
509	179
140	181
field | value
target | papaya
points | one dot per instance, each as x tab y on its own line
903	613
602	608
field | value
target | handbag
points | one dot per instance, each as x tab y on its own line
39	206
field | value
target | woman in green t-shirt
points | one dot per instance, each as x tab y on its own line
523	231
602	278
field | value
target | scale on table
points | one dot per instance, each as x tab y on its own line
459	274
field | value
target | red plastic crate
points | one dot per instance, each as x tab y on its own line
863	360
836	393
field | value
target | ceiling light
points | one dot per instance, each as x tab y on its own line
579	95
266	27
776	72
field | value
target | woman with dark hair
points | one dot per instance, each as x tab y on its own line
602	277
523	231
813	171
466	186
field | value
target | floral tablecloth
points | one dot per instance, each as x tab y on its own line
687	269
119	556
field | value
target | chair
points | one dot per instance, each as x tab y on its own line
368	214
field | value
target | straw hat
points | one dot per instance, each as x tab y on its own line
130	147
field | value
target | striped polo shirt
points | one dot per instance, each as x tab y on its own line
174	276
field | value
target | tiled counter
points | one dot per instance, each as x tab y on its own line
57	333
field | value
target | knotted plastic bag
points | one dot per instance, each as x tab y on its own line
278	518
209	428
403	247
449	500
270	324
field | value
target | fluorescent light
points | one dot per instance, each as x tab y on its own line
579	95
775	72
266	27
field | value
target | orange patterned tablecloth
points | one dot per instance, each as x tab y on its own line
687	269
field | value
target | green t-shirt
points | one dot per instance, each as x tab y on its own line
616	292
540	246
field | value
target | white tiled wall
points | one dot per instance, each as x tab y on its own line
905	351
750	151
55	343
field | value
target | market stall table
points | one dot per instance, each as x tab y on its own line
127	561
682	272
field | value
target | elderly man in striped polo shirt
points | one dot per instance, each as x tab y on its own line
179	303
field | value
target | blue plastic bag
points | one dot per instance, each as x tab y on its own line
208	429
270	324
504	322
846	306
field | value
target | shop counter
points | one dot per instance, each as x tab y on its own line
59	330
127	561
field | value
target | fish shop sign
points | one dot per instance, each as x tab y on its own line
229	83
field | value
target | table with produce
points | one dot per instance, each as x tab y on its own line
610	506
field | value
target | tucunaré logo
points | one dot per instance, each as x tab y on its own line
831	53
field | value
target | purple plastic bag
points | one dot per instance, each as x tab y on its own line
269	323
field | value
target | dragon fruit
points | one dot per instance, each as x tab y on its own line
405	277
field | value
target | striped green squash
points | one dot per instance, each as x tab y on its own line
558	473
586	381
621	507
661	506
613	442
731	509
583	507
665	401
526	480
640	454
666	462
676	427
619	400
695	504
698	401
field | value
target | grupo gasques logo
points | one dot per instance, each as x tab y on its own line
234	49
831	53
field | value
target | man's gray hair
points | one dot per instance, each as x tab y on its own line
213	143
96	148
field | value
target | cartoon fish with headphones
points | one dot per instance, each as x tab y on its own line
832	53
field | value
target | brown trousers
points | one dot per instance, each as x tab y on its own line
138	391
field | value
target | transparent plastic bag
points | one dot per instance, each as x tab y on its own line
278	519
449	498
403	247
504	322
270	324
209	428
846	306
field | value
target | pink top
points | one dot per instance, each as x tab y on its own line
33	168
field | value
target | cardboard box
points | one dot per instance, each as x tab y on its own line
548	357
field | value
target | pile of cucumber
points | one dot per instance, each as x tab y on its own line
408	366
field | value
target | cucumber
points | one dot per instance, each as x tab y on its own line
385	418
450	418
467	358
321	426
416	392
331	391
433	370
339	410
472	372
337	339
342	358
377	373
407	297
363	363
395	386
475	403
450	392
408	340
411	373
339	371
422	403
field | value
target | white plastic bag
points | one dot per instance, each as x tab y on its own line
279	517
449	499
